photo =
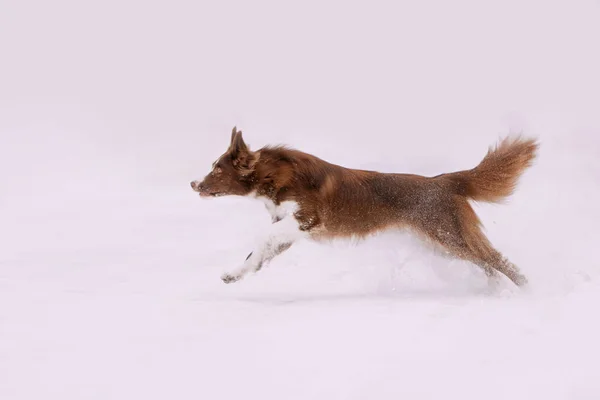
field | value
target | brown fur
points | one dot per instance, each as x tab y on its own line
335	201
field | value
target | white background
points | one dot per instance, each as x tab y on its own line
110	264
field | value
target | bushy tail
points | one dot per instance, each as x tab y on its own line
497	174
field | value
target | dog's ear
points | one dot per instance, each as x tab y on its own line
237	147
233	133
242	158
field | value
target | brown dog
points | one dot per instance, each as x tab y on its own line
311	198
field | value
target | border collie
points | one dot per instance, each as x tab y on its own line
311	198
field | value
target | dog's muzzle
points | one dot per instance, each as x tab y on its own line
196	186
203	190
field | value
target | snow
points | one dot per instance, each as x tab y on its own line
110	264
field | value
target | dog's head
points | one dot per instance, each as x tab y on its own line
232	173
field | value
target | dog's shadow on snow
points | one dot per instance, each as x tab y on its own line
404	295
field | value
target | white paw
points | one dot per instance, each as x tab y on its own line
230	278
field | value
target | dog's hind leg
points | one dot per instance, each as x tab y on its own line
481	252
282	234
491	258
458	230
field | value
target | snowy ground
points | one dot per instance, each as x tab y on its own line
110	264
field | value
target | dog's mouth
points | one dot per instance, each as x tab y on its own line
207	193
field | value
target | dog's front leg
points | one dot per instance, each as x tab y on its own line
280	237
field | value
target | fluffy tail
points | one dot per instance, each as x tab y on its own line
497	174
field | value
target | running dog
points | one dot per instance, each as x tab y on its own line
311	198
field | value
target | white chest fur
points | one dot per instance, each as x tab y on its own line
278	212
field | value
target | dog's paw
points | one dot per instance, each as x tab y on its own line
228	278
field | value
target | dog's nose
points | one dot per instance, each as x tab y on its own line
194	185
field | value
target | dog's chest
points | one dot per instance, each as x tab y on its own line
279	211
